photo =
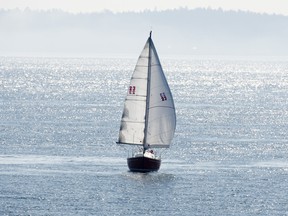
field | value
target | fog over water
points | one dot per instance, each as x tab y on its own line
178	32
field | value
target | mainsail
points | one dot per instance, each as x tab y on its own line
148	117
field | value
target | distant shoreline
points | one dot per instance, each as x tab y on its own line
198	32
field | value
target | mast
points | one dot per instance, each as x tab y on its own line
145	145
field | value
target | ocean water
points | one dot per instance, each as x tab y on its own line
59	120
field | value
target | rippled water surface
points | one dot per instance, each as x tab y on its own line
60	119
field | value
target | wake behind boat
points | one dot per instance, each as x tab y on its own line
148	118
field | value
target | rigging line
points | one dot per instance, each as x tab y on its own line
134	122
148	90
129	143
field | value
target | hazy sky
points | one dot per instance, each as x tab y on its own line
76	6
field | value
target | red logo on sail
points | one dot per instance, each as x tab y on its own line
163	96
132	89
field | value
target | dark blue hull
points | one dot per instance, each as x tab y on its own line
143	164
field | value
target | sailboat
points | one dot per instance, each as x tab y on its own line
149	118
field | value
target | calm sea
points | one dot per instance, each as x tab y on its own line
59	120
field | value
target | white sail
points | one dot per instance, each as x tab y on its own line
133	116
162	117
148	120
